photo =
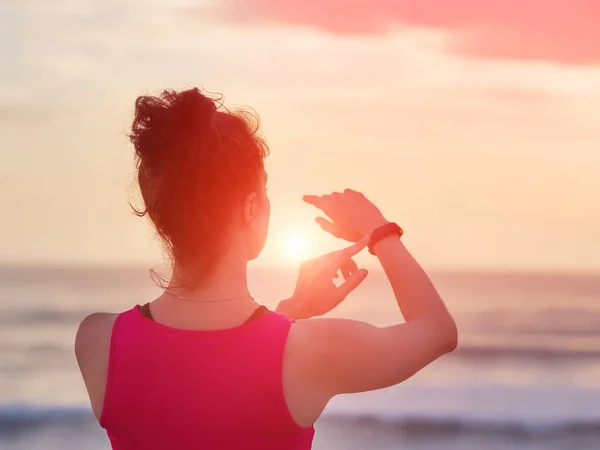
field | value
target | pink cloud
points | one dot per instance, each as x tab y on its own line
566	31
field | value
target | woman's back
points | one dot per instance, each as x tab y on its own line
172	388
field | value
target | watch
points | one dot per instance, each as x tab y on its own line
382	232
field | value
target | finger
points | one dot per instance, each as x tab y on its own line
348	268
328	226
352	282
314	200
357	247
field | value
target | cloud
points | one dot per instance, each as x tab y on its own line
563	31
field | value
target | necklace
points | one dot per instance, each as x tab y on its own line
206	301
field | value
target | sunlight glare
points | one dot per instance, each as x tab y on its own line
295	246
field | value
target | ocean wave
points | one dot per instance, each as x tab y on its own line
19	418
20	318
16	418
477	352
423	425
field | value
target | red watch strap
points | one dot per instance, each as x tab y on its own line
382	232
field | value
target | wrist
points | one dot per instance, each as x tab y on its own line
386	231
388	242
374	224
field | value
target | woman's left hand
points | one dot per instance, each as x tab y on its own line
316	293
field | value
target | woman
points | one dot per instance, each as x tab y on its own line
204	365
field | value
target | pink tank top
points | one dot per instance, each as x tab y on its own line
179	389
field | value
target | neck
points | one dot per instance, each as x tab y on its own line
227	281
222	302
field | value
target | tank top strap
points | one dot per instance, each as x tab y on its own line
258	312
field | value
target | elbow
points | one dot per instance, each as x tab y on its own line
450	336
446	334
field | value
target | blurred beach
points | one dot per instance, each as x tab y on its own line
526	374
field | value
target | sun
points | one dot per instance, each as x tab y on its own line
295	246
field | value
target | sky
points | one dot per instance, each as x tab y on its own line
472	123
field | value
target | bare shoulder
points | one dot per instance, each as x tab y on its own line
312	349
92	350
94	331
316	343
316	331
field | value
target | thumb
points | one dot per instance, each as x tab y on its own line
352	282
328	226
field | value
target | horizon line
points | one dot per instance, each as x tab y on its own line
446	270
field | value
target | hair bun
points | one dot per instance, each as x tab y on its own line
161	121
192	108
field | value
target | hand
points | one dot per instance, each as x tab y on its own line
353	216
315	293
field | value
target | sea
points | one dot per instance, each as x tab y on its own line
526	374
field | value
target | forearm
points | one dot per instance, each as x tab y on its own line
414	291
